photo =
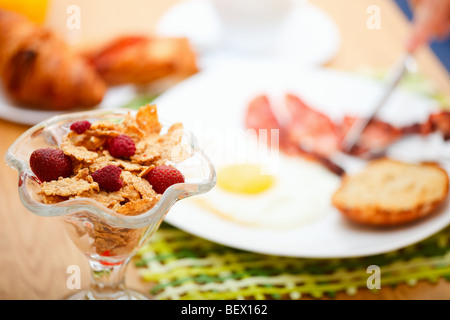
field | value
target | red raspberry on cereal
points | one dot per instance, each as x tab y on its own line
80	126
49	164
108	178
121	146
162	177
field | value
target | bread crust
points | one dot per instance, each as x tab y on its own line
380	215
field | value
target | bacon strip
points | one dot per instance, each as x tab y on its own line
378	135
313	129
313	135
437	122
260	116
441	122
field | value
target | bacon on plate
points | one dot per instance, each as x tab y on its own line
312	134
260	115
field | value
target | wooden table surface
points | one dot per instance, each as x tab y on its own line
34	251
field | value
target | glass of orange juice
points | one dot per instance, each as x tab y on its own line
35	10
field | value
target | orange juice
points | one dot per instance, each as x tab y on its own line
34	9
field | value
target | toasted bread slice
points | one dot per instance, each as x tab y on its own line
390	192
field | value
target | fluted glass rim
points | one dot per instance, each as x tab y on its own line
168	198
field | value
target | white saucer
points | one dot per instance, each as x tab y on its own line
309	36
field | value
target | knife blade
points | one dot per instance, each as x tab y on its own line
392	79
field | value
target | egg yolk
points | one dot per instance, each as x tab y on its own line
244	179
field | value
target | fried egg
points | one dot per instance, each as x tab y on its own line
299	191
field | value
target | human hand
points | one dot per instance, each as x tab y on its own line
431	19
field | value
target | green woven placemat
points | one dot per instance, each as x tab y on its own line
183	266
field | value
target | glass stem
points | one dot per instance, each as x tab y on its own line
108	282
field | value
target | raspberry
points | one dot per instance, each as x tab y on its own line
163	177
108	178
121	146
80	126
49	164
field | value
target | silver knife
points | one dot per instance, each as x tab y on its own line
393	78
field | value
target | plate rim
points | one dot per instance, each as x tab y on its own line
429	229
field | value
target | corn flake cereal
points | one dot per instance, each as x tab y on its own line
89	153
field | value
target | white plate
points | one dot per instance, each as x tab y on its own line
296	41
114	98
218	98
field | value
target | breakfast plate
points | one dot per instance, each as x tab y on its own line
294	218
114	98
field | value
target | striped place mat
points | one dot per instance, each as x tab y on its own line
183	266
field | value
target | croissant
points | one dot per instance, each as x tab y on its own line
141	60
40	70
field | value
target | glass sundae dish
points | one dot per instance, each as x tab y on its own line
110	194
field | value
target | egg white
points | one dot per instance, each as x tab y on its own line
301	193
